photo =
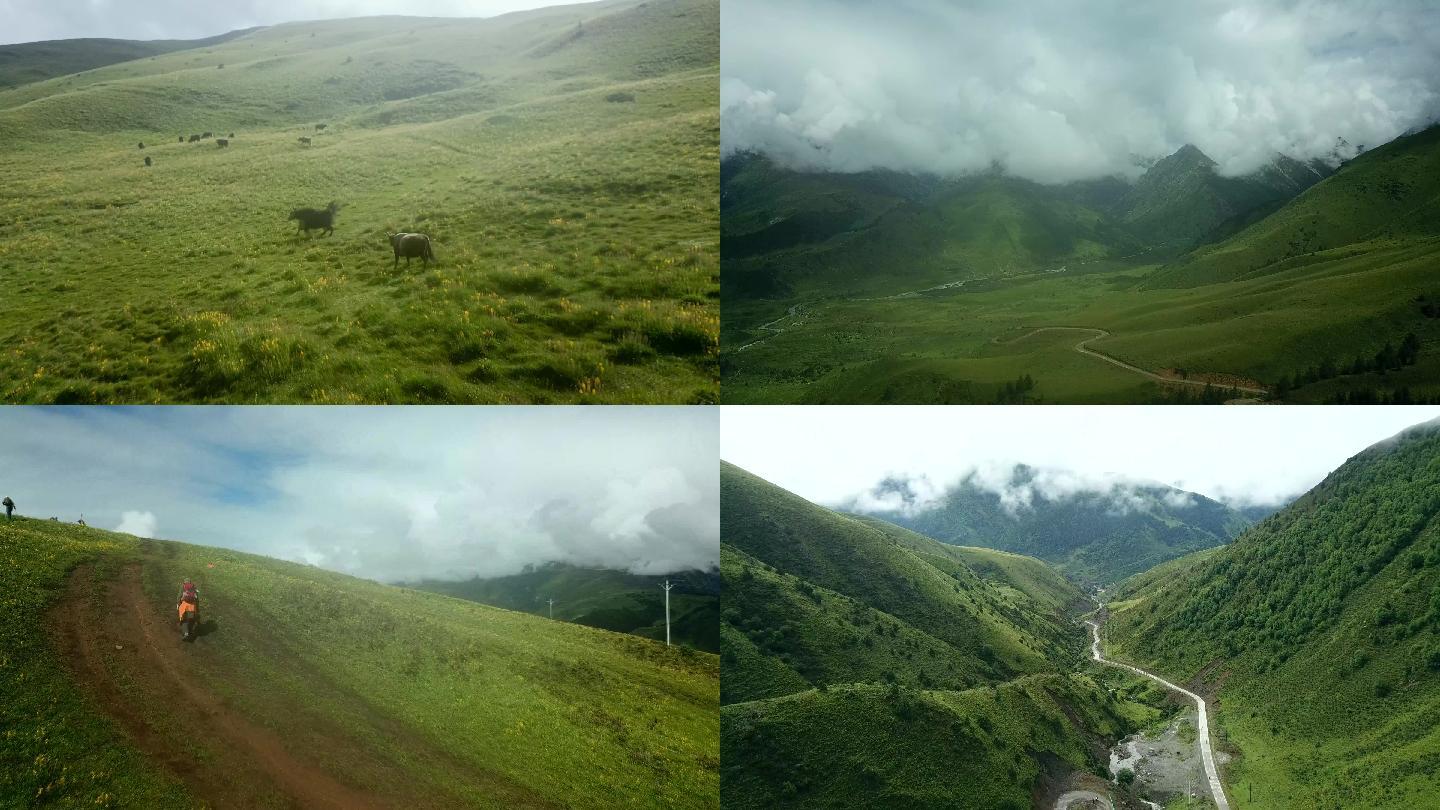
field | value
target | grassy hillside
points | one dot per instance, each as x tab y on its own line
1181	199
865	582
1383	198
882	746
604	598
1095	537
27	62
315	689
1320	629
790	233
867	665
1329	298
559	159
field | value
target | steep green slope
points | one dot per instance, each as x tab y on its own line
867	665
1097	536
28	62
1320	628
1386	198
1181	198
307	688
605	598
559	159
994	633
876	746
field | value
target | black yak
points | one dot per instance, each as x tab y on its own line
142	144
411	246
311	218
304	140
231	135
206	135
182	139
222	142
319	127
147	160
194	138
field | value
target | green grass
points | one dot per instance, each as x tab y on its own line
1321	630
609	599
942	347
396	692
898	747
1335	274
575	235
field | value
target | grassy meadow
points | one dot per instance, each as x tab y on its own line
966	344
410	698
563	161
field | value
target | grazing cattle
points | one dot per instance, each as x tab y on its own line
411	246
147	160
304	140
231	135
182	139
222	142
142	144
206	135
313	219
194	138
319	127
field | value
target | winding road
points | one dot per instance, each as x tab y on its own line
1207	756
1099	333
793	312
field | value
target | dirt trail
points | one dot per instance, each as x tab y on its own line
1100	333
153	649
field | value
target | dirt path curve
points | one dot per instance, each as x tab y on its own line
129	621
1100	333
1207	756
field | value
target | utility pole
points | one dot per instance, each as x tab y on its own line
552	607
667	586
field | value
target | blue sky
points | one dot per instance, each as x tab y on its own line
390	493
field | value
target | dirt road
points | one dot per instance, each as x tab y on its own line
1099	333
240	754
1207	756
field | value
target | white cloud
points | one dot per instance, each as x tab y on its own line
1058	90
140	524
392	493
1242	456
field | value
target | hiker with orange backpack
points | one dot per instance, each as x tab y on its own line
189	607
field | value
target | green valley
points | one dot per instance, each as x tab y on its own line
1316	636
314	689
1296	283
865	664
563	162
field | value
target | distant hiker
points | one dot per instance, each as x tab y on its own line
9	506
222	142
411	246
312	219
147	160
188	609
81	521
304	140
